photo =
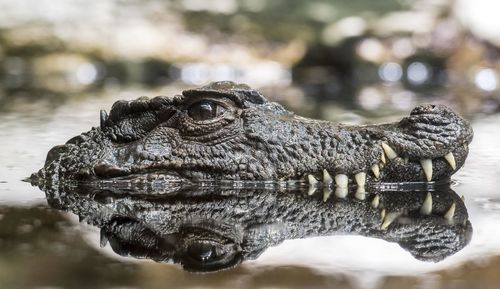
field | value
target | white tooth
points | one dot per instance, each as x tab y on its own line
360	179
341	180
311	191
389	218
341	192
360	193
326	194
463	198
451	160
450	213
382	215
382	158
375	202
327	179
427	167
312	180
391	154
375	170
426	208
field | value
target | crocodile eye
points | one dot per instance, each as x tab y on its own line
202	251
205	110
210	255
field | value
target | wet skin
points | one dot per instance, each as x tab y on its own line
138	178
208	229
227	131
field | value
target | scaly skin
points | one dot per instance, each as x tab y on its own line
210	228
242	136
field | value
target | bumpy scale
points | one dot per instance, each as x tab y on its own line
228	131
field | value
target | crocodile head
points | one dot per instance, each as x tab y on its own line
228	131
208	229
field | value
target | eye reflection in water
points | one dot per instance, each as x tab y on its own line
212	228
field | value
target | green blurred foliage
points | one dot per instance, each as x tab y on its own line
281	20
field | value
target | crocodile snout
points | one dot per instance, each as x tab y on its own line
226	131
430	144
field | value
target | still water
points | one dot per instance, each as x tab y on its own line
41	247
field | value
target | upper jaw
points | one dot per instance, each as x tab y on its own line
430	144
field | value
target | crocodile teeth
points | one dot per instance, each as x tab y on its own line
375	202
426	208
427	167
326	194
360	193
451	160
341	192
389	218
327	179
450	213
391	154
360	179
311	191
376	170
312	180
382	214
341	181
382	158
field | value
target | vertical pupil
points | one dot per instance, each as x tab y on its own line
206	255
206	110
202	252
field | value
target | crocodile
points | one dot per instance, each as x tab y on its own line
208	229
229	131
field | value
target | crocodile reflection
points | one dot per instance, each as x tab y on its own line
208	229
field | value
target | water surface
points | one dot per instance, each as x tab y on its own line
43	247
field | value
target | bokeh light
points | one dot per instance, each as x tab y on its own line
486	79
390	72
418	73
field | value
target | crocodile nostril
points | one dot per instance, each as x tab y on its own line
107	170
430	109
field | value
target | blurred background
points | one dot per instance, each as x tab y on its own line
358	54
354	61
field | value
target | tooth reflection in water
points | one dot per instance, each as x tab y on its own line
211	228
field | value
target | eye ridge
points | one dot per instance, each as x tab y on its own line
205	110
